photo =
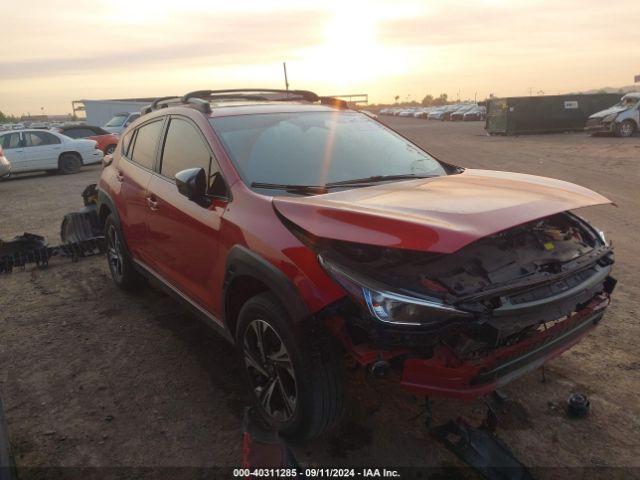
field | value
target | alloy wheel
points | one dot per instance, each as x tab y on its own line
114	252
270	369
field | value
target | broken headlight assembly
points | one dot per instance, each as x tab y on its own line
390	307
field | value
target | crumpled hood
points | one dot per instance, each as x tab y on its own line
441	214
608	111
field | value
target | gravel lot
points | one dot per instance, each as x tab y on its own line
91	377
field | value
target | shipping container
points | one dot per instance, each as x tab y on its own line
544	114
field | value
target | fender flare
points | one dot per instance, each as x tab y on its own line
243	262
105	199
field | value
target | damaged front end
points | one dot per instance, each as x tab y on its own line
464	323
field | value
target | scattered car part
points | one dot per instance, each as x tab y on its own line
578	405
80	233
262	447
82	225
481	450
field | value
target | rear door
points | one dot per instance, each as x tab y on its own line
41	150
13	146
183	234
133	172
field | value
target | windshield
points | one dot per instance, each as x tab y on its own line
117	120
628	102
316	148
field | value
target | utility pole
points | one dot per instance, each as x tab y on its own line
286	80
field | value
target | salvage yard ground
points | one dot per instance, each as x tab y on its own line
93	377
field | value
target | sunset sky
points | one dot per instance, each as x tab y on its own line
58	51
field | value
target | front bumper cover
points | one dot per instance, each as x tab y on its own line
446	375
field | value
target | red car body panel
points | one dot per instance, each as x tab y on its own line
445	375
441	214
104	141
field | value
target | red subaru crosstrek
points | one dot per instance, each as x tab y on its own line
304	231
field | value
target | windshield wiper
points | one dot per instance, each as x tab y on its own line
378	178
320	189
302	189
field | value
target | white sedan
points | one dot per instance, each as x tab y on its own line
37	150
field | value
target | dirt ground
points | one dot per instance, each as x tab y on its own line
91	377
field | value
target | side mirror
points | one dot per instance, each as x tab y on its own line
192	183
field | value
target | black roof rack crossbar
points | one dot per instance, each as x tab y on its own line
200	99
162	102
252	94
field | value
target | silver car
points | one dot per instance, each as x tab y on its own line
622	119
38	150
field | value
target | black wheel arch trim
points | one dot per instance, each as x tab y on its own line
243	262
105	200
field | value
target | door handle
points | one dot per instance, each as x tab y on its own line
152	203
119	176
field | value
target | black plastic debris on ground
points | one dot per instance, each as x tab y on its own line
481	450
29	249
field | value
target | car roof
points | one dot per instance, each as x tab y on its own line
635	95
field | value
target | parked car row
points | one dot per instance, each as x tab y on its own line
454	112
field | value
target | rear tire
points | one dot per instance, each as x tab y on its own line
109	150
123	272
625	129
69	163
296	379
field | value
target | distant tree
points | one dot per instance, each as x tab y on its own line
397	97
443	99
427	101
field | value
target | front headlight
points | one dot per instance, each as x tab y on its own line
390	307
609	118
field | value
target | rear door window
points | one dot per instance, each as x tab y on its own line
144	148
184	147
40	139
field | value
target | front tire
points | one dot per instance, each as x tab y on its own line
625	129
109	150
123	272
69	163
295	379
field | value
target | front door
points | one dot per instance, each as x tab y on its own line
133	173
183	235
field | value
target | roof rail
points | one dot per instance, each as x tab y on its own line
253	94
155	105
200	99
